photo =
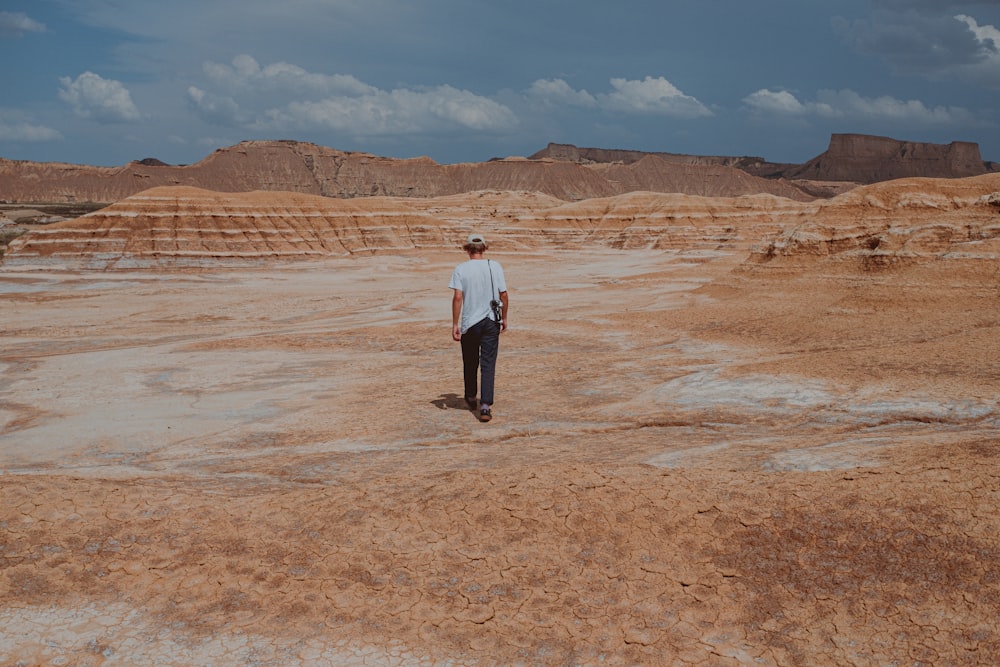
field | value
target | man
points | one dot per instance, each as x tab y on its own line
476	283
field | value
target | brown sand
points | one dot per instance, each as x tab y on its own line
694	460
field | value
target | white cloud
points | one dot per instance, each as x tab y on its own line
774	101
214	108
928	41
848	104
399	111
15	24
554	92
104	100
337	102
652	96
987	69
246	73
983	34
15	129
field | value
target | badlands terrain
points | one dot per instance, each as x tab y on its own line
562	171
742	430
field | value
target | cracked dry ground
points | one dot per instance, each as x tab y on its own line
688	466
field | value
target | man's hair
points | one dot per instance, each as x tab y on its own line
475	247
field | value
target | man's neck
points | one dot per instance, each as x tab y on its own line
475	255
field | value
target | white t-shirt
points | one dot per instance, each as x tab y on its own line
472	278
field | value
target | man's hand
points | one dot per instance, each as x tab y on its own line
457	298
505	301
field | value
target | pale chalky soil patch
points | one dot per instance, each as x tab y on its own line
687	466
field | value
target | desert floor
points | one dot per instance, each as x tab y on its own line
692	461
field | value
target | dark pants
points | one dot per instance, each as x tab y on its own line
480	345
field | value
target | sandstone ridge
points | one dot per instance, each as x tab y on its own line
307	168
898	223
855	158
866	159
563	171
902	220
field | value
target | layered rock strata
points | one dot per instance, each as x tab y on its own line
866	159
177	226
289	166
897	223
855	158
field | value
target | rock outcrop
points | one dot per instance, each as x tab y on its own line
898	223
290	166
184	226
867	159
560	170
571	153
853	158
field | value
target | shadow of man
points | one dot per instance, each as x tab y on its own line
454	401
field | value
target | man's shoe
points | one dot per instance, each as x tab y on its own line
472	403
484	414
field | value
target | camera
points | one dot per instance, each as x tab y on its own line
497	307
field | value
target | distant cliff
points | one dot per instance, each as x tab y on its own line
560	170
856	158
866	159
292	166
571	153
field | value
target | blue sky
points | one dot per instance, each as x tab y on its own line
109	81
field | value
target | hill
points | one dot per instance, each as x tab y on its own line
561	171
854	158
291	166
185	226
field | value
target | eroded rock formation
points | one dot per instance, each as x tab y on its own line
866	159
182	225
289	166
851	158
903	222
729	431
563	171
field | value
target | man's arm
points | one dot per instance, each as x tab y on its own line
456	314
505	300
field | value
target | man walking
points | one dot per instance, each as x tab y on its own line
478	316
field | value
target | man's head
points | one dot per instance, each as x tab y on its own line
475	244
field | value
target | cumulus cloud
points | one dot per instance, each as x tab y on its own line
987	35
337	102
104	100
848	104
774	101
15	24
986	68
14	128
650	96
246	73
911	42
217	109
928	41
556	92
398	111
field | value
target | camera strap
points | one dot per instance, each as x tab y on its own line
489	267
496	309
